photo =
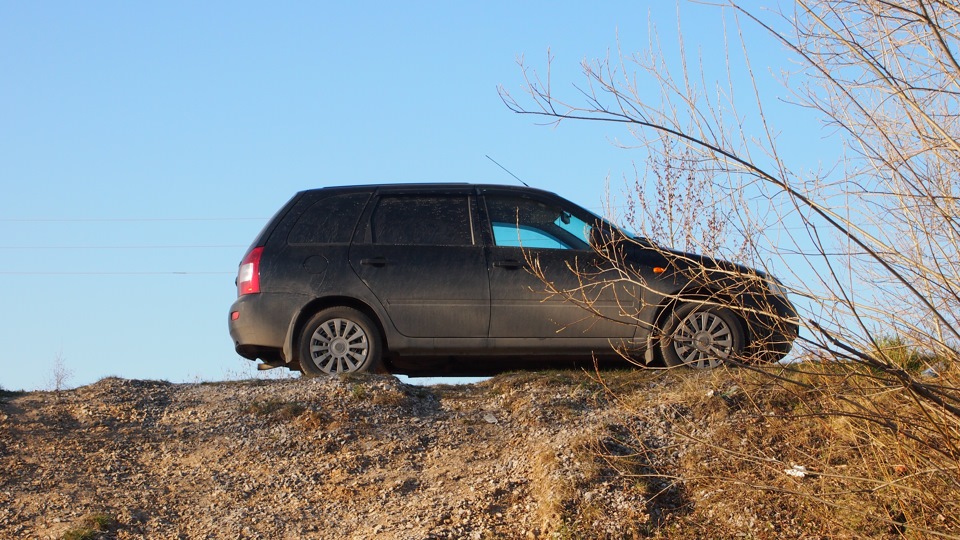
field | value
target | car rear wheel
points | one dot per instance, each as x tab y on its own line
339	340
701	336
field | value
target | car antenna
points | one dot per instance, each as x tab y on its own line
508	172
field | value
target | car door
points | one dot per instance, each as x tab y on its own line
420	256
543	272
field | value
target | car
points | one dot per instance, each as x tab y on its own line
435	279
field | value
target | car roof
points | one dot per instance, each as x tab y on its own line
432	186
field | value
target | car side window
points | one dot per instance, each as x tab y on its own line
331	220
422	220
522	222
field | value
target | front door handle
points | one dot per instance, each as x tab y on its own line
509	264
374	261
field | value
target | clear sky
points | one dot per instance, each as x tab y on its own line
143	146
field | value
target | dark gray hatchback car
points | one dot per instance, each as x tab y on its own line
474	279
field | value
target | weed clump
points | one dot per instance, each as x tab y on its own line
283	410
90	527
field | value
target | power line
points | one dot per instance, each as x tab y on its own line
193	246
173	273
122	220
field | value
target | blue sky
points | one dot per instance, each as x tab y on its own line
143	145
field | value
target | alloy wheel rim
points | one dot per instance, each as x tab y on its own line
703	340
339	346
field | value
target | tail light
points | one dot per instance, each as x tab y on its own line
248	278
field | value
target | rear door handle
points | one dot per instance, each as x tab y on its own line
509	264
374	261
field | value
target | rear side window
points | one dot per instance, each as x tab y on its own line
422	220
331	220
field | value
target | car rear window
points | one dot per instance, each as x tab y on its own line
330	220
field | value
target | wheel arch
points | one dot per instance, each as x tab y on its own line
316	305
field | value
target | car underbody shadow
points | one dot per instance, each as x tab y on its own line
474	366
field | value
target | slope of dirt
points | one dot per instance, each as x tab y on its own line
529	455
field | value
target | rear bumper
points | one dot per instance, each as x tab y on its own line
259	322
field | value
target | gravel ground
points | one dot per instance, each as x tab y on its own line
527	455
352	457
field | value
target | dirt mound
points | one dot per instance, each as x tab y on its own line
530	455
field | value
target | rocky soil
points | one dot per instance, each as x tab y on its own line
527	455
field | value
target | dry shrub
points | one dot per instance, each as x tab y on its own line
869	244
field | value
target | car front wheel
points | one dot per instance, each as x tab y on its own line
701	336
339	340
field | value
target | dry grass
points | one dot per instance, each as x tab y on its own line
807	447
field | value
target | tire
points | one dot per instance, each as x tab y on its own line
701	336
340	340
